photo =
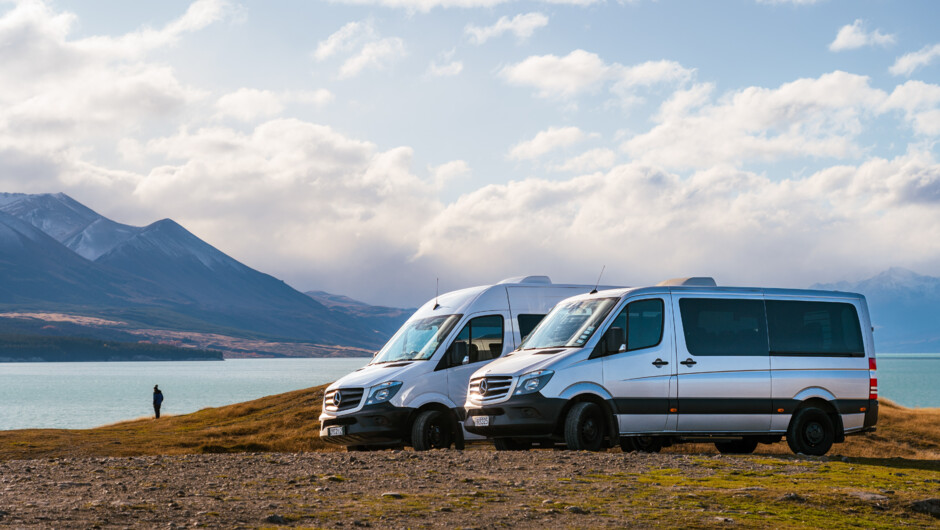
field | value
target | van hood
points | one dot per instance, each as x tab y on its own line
373	374
521	362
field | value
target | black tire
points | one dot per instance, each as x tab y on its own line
432	429
811	432
585	427
642	444
511	444
745	446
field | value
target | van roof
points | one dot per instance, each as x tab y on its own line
704	289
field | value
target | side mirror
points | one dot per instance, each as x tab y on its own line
614	340
458	353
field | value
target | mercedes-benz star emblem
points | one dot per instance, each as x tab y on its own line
483	387
337	398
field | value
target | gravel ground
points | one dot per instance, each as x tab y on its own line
397	489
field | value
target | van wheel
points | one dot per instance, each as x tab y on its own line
642	444
744	446
584	427
811	432
511	444
431	430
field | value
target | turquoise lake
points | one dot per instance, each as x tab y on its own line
85	395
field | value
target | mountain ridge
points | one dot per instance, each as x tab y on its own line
160	275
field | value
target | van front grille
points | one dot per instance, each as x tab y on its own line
348	398
490	388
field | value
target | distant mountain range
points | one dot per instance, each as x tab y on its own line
67	271
904	307
57	255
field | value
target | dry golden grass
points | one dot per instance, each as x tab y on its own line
285	422
901	432
288	423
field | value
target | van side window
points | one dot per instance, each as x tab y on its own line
527	323
642	324
724	326
645	324
482	338
814	328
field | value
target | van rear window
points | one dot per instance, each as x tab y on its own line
720	326
814	328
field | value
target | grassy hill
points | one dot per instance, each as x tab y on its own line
288	423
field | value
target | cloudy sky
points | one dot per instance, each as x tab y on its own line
366	147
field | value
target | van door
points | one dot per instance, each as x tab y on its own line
639	375
482	339
724	364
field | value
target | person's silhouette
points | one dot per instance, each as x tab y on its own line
157	400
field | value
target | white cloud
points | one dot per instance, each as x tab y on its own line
367	48
56	89
908	63
582	72
449	171
546	141
592	160
521	25
805	118
337	195
921	105
378	54
559	77
344	39
445	66
738	226
248	104
445	70
854	36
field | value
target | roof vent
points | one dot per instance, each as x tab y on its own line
540	280
694	281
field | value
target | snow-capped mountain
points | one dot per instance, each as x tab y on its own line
905	309
60	251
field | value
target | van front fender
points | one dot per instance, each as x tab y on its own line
585	387
417	402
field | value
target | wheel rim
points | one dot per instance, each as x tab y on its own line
435	435
814	433
589	430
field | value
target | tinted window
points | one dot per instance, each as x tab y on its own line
483	340
814	328
527	323
642	323
724	327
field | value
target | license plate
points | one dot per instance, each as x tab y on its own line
481	421
337	431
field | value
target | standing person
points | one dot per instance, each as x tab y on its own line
157	400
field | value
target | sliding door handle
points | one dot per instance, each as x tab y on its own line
659	362
688	362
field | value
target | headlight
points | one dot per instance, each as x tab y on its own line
383	392
533	381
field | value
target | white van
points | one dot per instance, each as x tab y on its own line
413	390
685	361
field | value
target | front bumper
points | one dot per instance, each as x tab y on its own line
532	415
373	424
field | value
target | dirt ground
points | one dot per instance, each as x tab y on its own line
470	489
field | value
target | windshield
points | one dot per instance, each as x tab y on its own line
570	324
417	340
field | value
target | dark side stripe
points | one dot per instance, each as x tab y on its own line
724	405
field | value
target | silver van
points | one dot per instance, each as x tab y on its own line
413	390
685	361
